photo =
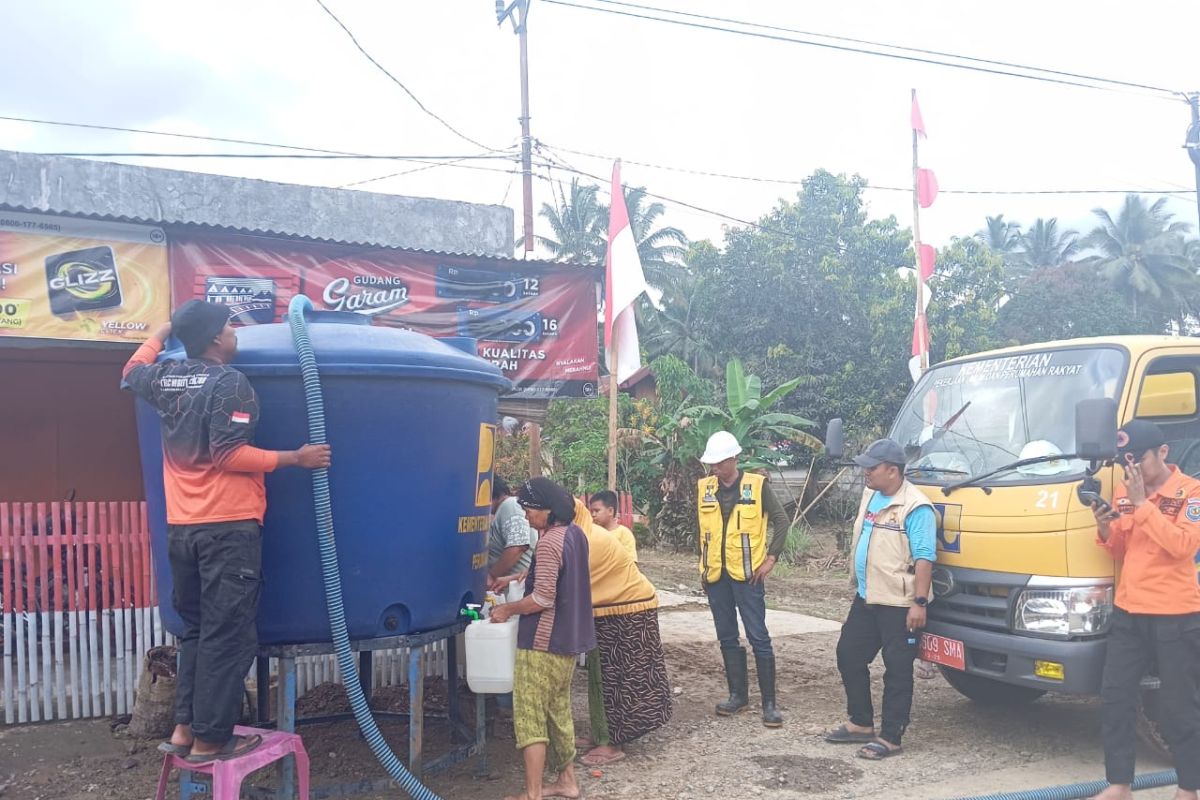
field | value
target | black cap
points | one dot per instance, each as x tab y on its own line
881	451
1137	436
196	323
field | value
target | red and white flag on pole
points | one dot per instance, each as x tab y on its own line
925	190
624	282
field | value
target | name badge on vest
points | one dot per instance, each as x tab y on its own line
709	497
747	493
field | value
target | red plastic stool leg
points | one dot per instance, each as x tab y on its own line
301	772
164	775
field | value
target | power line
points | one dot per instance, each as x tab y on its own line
196	136
551	161
499	154
800	182
399	83
428	166
904	48
846	48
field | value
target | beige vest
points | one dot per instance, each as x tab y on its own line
890	577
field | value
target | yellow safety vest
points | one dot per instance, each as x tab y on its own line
740	547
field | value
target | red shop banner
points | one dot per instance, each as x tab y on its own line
535	320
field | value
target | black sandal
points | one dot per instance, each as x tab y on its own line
236	747
878	751
843	735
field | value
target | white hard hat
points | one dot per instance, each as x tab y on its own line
721	445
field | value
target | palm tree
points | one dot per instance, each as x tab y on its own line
1143	253
1000	236
578	221
1042	246
673	326
579	230
661	250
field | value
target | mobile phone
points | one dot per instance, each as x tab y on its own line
1092	499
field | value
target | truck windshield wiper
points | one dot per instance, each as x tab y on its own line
934	470
1024	462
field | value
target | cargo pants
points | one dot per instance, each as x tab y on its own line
217	571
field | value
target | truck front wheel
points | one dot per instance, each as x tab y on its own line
988	692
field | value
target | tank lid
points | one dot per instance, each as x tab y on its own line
349	347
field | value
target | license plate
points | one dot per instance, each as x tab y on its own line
940	650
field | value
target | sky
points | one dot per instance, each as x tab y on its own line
283	71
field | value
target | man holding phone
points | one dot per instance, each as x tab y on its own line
1154	531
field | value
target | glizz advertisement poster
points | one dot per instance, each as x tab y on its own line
537	322
64	278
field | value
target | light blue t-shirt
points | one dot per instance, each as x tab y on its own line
921	527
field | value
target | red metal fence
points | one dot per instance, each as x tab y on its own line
78	607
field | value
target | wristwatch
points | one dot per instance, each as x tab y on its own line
921	601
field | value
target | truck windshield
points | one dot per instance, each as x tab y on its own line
970	417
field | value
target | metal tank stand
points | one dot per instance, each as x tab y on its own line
465	742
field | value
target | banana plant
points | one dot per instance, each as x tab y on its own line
747	414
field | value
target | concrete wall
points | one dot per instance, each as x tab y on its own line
104	189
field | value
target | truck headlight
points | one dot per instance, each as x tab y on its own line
1079	611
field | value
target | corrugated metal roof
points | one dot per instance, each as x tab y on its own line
121	192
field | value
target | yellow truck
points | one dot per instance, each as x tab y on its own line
1002	443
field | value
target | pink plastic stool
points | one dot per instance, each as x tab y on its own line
227	775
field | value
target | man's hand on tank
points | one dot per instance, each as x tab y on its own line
311	456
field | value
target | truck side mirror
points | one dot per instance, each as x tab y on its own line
1096	429
835	442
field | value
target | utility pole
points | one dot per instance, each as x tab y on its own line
517	13
1192	144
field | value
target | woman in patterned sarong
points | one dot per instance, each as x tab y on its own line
629	694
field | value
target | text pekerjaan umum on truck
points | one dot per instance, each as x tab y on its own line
1002	443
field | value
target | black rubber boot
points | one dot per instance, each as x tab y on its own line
766	687
738	679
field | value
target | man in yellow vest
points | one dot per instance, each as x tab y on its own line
891	556
735	508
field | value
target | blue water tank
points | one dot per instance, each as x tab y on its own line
411	421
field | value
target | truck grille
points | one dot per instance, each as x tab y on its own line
975	598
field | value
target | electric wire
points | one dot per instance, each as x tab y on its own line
938	53
400	83
1159	93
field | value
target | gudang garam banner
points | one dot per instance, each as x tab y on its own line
536	321
65	278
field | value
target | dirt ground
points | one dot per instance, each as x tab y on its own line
953	748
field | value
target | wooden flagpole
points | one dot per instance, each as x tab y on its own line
917	242
613	388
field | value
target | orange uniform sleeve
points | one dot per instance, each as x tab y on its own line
1118	538
144	355
248	458
1180	537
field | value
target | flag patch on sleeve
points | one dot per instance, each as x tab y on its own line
239	418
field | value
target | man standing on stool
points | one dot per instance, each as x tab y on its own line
1154	532
894	547
213	481
735	508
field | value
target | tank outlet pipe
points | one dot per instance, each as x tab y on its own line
330	572
1075	791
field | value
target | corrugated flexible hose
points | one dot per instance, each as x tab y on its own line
329	563
1075	791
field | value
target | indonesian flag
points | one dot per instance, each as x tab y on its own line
918	123
920	345
624	282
